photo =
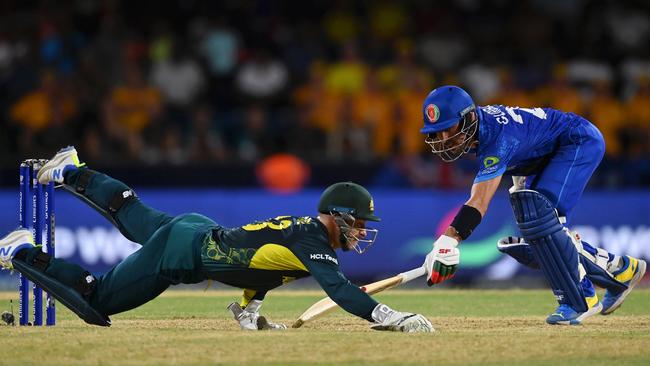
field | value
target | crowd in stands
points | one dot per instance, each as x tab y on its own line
189	82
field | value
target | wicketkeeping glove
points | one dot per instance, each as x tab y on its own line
441	263
249	318
388	319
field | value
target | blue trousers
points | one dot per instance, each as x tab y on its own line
566	175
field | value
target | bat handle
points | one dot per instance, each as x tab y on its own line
413	274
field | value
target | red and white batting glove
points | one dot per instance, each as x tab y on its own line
441	263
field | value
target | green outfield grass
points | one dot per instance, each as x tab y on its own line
474	327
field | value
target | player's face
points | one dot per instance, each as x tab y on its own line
449	140
358	231
357	236
453	142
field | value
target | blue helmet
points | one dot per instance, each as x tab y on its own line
444	107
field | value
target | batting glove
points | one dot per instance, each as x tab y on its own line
441	263
249	318
395	321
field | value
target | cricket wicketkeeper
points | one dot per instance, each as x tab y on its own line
190	248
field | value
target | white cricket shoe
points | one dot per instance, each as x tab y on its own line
64	160
12	243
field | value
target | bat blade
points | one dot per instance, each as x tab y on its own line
326	305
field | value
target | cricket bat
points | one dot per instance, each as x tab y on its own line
326	305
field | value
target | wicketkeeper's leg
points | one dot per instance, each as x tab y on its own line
117	202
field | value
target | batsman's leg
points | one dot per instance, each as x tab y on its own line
556	254
562	181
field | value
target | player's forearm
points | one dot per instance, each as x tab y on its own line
351	299
471	214
482	194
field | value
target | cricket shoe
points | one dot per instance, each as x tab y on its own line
566	315
630	274
64	160
12	243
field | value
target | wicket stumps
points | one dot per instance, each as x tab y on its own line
42	210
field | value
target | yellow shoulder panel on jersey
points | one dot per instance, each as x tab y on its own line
276	257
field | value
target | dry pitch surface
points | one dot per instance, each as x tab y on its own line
473	328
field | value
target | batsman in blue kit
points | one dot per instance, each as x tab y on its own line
550	155
190	248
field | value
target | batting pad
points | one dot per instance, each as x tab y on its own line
62	293
551	245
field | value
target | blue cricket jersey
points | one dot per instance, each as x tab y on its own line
514	140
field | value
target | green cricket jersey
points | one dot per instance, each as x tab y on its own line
264	255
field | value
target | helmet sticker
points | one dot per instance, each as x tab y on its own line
433	113
372	205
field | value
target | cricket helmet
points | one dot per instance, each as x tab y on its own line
348	202
350	198
444	108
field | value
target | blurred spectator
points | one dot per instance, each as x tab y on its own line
255	139
388	20
340	81
262	78
560	94
305	139
510	93
352	141
373	110
319	106
340	23
180	81
607	113
93	148
408	114
178	78
483	81
220	47
349	74
636	132
43	114
131	108
206	143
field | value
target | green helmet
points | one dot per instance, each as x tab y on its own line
350	198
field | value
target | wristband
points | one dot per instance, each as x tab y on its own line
466	221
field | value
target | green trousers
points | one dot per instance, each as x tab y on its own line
170	252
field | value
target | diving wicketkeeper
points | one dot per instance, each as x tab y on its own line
190	248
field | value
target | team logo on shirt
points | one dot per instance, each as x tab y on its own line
490	161
433	113
323	257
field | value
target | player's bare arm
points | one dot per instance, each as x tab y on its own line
481	196
482	193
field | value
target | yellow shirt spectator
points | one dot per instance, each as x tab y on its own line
321	105
38	110
134	107
639	107
409	102
374	109
608	115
